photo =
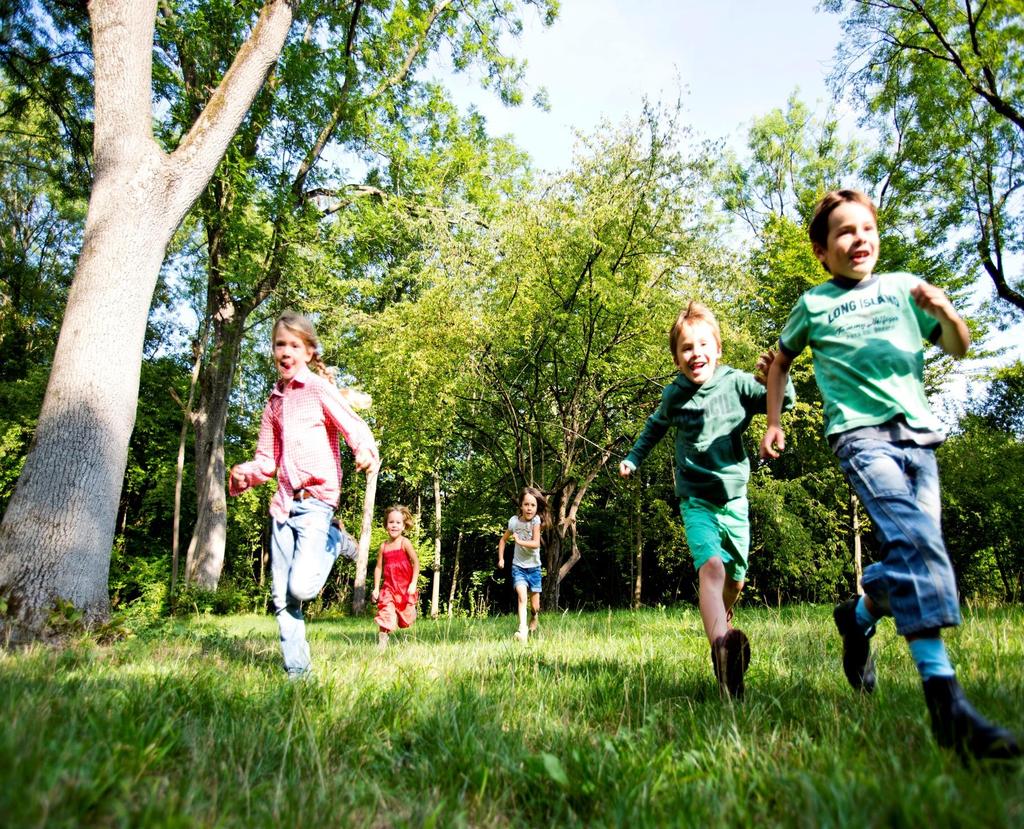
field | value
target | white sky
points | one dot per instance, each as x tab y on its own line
733	59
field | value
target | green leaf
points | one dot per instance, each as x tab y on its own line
553	766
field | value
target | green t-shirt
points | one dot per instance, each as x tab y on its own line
710	419
866	339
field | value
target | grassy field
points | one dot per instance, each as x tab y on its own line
606	719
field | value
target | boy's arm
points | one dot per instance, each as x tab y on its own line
754	389
654	430
778	377
354	429
931	299
263	466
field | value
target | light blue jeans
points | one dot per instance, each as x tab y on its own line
303	550
898	483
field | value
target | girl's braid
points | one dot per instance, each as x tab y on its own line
321	368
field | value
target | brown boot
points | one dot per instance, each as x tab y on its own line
730	657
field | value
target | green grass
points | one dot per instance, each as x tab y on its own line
607	719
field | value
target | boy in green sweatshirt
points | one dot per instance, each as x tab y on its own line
710	405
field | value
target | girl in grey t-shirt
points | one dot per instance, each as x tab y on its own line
525	527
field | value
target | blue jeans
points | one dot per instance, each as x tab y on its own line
530	576
303	550
899	487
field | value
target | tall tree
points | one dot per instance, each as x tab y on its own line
55	539
584	268
943	81
793	157
345	94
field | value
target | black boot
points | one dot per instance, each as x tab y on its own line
730	657
957	725
858	664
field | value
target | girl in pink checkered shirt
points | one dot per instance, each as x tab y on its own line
303	422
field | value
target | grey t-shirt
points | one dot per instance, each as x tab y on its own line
524	556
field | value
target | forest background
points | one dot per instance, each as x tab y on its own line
508	323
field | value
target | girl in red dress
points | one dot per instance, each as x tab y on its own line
397	561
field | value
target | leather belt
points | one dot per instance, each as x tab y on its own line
303	494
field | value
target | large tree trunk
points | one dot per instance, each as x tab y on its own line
455	574
564	505
858	563
198	350
57	532
365	529
206	550
435	592
638	540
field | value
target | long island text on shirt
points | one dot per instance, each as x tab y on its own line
867	341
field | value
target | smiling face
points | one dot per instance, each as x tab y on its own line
527	507
697	351
395	524
291	352
852	245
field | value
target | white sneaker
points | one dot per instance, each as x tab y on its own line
521	635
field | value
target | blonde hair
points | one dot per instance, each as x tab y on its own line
406	513
693	312
304	330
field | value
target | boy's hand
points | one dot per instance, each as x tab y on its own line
625	469
501	564
764	364
933	300
365	461
375	594
237	478
412	592
773	437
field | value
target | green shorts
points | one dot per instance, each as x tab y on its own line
714	531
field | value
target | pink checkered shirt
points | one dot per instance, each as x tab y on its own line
299	442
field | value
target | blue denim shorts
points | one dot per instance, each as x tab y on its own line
530	576
898	484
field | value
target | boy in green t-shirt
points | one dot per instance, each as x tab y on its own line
711	406
865	332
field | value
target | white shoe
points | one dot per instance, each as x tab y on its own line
521	635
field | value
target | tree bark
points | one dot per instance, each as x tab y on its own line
639	542
365	528
179	470
858	563
57	532
455	574
435	593
209	537
564	504
563	507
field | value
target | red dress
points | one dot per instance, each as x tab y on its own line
395	607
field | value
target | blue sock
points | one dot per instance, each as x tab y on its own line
865	618
931	658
